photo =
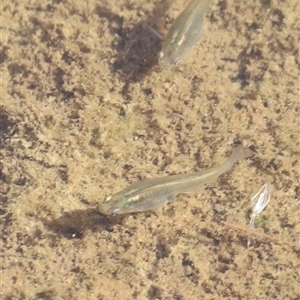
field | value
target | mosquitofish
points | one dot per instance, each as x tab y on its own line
184	33
152	193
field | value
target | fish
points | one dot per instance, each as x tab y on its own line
184	33
152	193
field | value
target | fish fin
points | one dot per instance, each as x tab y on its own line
239	153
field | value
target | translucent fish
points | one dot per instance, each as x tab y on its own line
152	193
184	33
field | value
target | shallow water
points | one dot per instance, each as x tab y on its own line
85	111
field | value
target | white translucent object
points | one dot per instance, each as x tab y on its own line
259	201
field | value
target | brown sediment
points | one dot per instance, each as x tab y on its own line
85	111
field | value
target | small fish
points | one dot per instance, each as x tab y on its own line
152	193
183	34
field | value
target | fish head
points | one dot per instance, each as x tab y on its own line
167	58
167	61
116	204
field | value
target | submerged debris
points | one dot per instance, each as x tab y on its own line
259	201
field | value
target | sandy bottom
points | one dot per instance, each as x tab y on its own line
85	111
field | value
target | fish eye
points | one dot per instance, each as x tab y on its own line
115	212
107	198
176	61
160	55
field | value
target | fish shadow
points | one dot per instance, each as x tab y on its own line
137	53
138	45
74	224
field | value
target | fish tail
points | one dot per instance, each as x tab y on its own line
239	153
